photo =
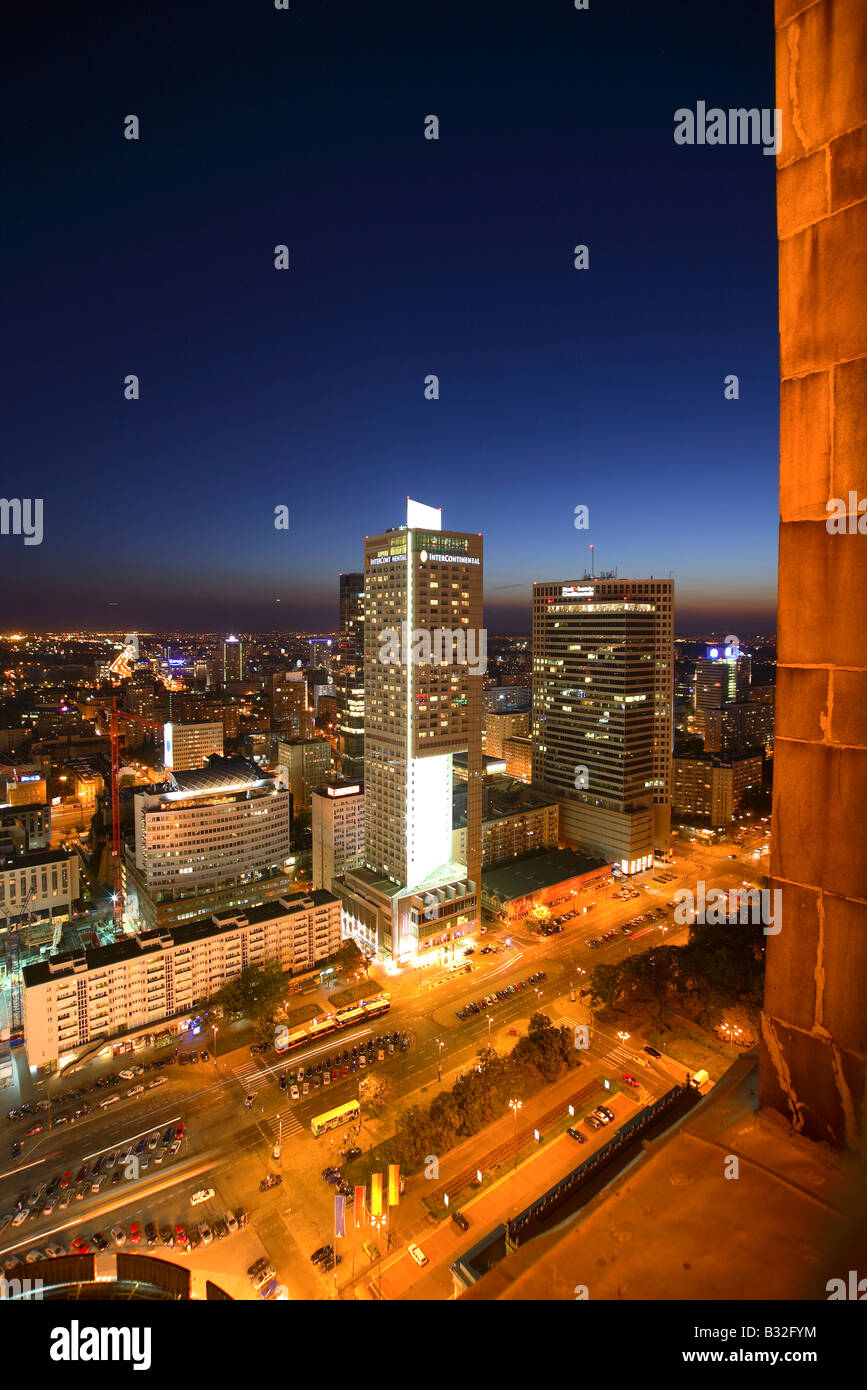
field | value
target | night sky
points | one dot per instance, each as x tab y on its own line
407	257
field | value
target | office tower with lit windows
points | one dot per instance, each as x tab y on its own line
190	745
721	678
423	705
349	677
233	659
322	655
289	711
603	712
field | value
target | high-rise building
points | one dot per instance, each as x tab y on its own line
711	789
349	677
289	712
423	668
735	728
499	727
321	654
721	678
602	712
338	830
518	753
233	659
190	745
216	838
308	766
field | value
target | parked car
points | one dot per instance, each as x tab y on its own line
576	1135
206	1235
417	1254
460	1220
118	1235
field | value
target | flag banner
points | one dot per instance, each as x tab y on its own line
376	1194
393	1184
360	1206
339	1215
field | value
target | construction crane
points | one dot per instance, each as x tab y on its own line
16	1032
116	874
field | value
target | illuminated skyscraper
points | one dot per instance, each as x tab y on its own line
602	712
423	665
349	677
233	659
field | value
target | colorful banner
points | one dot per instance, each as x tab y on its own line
339	1215
376	1194
360	1206
393	1184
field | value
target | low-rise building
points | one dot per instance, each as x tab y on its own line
515	821
76	1000
553	879
42	883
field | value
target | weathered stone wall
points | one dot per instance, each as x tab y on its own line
814	1044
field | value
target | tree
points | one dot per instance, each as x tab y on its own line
375	1093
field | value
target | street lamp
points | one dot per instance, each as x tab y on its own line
214	1030
624	1037
440	1048
515	1106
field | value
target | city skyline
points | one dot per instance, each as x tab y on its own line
305	388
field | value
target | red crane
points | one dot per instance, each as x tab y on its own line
114	735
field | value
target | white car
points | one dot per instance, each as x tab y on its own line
203	1195
231	1221
294	1092
135	1091
20	1216
418	1254
118	1235
206	1233
109	1100
158	1081
128	1074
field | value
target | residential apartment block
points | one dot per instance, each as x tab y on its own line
75	1001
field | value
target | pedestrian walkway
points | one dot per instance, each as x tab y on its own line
251	1078
290	1125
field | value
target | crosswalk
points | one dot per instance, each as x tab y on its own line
251	1078
290	1125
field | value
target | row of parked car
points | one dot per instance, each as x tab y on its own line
178	1237
103	1083
299	1082
111	1167
481	1005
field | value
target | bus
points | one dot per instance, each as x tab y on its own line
344	1017
333	1119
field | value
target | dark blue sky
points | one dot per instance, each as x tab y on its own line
408	257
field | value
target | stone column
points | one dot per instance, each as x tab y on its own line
814	1031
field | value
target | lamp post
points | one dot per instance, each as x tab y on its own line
440	1047
214	1031
515	1106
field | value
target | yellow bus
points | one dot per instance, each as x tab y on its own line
333	1119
